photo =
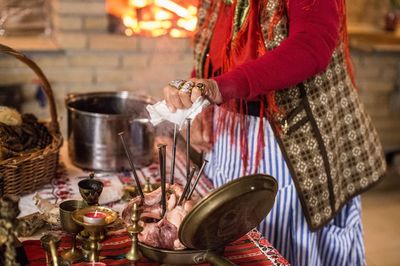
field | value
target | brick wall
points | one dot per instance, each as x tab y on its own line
91	59
376	77
367	11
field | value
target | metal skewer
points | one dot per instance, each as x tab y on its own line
162	157
196	180
174	154
187	186
129	155
188	148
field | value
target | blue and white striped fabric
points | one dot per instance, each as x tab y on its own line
338	243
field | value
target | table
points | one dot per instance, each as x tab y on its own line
251	249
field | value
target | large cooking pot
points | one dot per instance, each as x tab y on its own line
94	121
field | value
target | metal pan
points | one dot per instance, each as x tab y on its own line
223	216
181	257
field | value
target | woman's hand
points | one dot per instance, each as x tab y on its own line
201	133
181	94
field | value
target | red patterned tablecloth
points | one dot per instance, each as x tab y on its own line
251	249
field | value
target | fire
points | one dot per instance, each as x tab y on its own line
155	17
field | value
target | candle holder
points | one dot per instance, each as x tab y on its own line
90	190
50	243
134	254
148	186
94	227
129	192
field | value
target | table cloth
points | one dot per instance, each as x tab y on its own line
251	249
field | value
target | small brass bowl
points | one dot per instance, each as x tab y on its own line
66	209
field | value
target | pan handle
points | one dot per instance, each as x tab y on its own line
217	260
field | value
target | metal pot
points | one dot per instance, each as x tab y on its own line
94	121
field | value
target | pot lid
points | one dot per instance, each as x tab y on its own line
228	212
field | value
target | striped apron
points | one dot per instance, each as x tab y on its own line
338	243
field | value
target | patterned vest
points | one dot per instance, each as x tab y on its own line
331	148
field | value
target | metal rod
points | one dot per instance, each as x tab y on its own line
129	155
188	148
174	154
188	181
197	179
162	156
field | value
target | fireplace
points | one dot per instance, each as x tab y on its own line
153	17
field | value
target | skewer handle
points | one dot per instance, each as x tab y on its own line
188	120
197	179
174	155
162	157
187	186
129	155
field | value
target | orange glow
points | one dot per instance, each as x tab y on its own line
138	3
173	7
160	14
156	17
189	25
175	33
128	32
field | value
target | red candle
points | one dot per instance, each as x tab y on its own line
96	217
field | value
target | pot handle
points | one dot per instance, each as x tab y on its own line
217	260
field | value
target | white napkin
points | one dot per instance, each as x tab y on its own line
159	112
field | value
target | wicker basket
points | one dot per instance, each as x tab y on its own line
28	172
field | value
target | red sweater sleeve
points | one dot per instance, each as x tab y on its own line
313	35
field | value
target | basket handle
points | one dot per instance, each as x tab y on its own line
54	126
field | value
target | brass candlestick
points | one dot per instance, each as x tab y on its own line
129	192
95	230
148	187
134	254
50	244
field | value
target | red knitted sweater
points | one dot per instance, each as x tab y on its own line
313	35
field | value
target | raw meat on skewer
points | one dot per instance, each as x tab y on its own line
161	232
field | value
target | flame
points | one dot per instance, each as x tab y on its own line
162	15
174	7
139	3
156	17
189	25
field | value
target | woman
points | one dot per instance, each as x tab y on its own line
279	73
